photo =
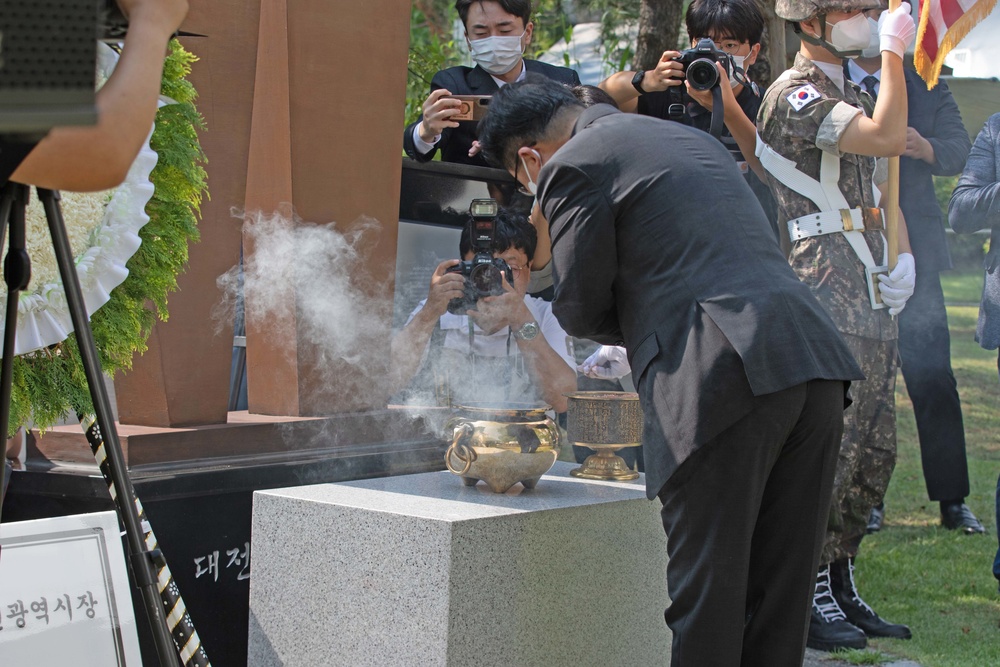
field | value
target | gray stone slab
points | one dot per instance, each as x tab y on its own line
421	570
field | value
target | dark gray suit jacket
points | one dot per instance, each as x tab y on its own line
975	205
934	114
456	142
658	242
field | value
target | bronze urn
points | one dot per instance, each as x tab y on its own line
501	444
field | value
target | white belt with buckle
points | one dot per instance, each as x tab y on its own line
828	222
851	223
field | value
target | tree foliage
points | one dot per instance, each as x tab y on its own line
659	30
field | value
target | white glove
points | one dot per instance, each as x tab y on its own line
896	30
608	363
897	287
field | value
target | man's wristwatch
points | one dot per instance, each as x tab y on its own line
527	331
637	81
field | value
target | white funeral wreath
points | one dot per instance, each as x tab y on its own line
103	230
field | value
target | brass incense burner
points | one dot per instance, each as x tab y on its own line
604	421
501	444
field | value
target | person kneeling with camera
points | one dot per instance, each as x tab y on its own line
478	334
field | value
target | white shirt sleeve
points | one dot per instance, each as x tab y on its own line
422	146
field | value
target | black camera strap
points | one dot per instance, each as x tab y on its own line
677	104
510	366
472	339
715	129
677	108
515	364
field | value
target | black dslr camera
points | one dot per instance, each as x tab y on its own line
699	64
484	273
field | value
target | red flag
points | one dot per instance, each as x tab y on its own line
943	24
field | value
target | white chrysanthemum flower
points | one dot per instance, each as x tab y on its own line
83	213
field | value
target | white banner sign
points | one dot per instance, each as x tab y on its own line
64	593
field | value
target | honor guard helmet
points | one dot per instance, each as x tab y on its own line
800	10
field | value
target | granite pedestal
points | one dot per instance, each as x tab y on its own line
421	570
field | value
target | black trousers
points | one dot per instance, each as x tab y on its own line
745	517
925	353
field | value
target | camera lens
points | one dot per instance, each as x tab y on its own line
486	279
702	75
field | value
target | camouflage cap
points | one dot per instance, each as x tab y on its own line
800	10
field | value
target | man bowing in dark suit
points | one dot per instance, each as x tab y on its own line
659	244
498	32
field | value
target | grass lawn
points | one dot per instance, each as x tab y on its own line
914	571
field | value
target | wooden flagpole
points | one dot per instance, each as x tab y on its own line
892	206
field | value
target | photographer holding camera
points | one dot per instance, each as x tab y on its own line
98	157
497	33
725	36
506	346
725	40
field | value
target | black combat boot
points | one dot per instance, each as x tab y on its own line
829	628
855	609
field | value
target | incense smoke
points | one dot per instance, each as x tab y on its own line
315	281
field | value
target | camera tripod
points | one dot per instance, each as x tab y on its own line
178	644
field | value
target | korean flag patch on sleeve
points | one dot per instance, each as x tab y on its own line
801	97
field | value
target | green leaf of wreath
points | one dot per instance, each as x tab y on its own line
50	383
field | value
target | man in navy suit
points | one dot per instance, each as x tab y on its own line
498	32
937	144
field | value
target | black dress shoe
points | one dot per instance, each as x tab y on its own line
875	518
958	516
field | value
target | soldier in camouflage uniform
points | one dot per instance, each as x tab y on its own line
818	141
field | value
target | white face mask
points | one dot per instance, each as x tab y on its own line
497	54
738	64
532	186
850	34
874	47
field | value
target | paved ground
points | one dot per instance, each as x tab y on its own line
821	659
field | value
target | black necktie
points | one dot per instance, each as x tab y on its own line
869	83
